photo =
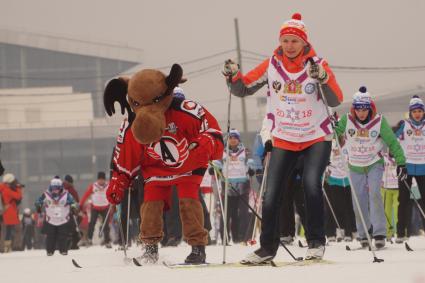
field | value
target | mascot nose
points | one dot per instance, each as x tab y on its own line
148	126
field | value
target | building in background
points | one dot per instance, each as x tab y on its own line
52	120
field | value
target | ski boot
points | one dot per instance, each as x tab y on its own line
400	240
197	256
332	239
288	240
7	246
364	242
315	251
173	242
340	234
379	241
348	239
150	256
260	256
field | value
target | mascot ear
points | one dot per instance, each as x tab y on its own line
116	91
175	76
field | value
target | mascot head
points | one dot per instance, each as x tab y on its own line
150	93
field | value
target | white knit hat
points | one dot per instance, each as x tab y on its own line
416	103
56	182
362	99
8	178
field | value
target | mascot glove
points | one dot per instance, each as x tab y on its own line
202	148
116	188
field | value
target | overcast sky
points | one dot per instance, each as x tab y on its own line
346	33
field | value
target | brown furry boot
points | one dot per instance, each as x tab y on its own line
151	230
192	218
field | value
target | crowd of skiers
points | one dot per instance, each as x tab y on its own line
331	178
60	220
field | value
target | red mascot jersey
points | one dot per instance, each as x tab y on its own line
171	158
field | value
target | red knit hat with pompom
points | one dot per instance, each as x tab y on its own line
294	26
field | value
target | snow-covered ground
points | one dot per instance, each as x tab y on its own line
101	265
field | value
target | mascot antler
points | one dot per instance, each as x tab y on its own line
172	80
116	91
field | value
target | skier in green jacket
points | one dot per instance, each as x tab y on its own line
366	133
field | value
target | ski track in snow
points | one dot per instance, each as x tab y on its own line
102	265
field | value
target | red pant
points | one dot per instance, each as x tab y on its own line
155	192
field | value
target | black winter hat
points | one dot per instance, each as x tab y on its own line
69	179
101	175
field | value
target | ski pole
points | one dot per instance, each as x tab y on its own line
77	228
219	191
126	259
353	193
263	185
259	218
414	199
105	221
226	184
128	216
329	203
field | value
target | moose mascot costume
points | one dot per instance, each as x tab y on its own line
170	140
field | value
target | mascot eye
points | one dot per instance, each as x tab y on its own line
134	103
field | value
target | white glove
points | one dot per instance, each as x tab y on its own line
316	71
230	68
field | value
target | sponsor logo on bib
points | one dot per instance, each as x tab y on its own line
310	88
363	133
277	86
293	87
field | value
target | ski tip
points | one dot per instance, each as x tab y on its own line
378	260
75	264
272	263
300	244
408	248
347	248
136	262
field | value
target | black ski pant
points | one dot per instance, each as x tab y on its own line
28	237
237	217
342	204
10	232
56	236
292	200
74	236
93	219
405	203
282	162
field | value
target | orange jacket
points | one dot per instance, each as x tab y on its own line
10	208
248	84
